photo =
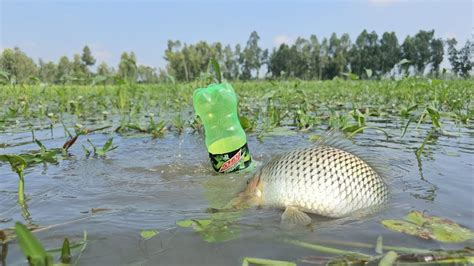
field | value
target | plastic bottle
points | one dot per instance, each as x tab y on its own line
226	141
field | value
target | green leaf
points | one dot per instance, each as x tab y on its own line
16	162
246	124
31	247
405	227
429	227
210	230
388	259
65	252
184	223
257	261
108	144
435	116
147	234
217	69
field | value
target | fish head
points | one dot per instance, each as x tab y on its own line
252	195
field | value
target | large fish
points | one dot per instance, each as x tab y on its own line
327	179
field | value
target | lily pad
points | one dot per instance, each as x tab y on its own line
147	234
198	225
429	227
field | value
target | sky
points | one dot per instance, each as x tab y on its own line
51	29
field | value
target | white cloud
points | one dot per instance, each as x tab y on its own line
282	39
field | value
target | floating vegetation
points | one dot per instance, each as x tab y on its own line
405	256
216	230
258	261
429	227
148	234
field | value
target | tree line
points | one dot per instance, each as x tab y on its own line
370	56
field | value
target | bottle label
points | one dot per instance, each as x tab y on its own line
232	161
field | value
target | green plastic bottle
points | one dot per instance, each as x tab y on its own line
226	141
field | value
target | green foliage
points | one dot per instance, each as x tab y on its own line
65	252
306	59
217	69
148	234
18	65
128	67
429	227
251	57
215	230
461	60
18	164
31	247
257	261
100	151
87	57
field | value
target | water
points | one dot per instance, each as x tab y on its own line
152	183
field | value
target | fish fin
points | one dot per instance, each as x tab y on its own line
294	216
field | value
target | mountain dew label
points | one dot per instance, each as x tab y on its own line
231	161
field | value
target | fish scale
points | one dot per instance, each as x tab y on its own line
324	180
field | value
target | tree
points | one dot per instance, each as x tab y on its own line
390	53
300	54
337	52
87	57
465	59
409	52
437	54
314	60
104	70
146	74
238	59
47	71
323	58
365	53
128	67
176	66
229	63
280	63
422	41
252	55
64	70
18	65
79	70
453	56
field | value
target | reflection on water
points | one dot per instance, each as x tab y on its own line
152	184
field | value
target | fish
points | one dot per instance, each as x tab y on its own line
328	178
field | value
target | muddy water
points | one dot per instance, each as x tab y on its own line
152	183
